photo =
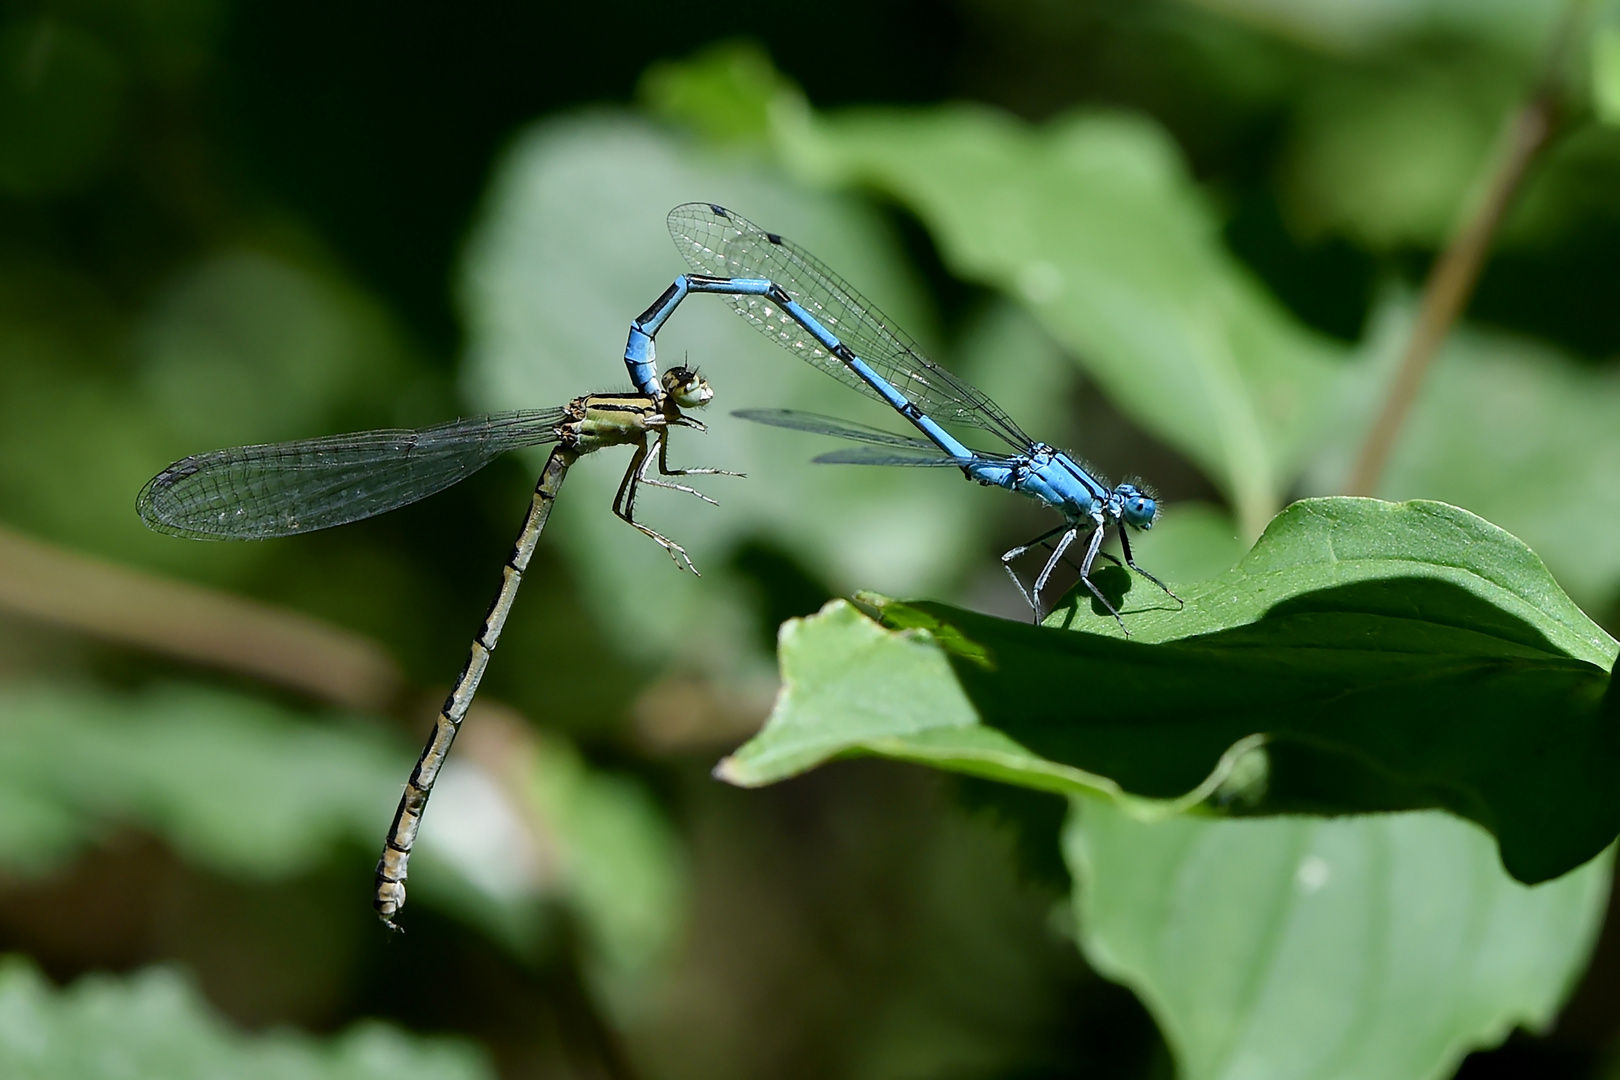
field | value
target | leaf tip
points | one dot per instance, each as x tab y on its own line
728	770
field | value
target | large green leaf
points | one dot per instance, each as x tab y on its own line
1384	946
1093	222
1392	656
154	1026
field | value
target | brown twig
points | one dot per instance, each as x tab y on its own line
1452	278
195	624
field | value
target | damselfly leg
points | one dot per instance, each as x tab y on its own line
1125	545
1059	554
639	473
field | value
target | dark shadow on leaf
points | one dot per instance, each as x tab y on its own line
1425	601
1113	582
1389	695
1116	583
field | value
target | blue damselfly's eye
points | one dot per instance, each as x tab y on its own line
1136	509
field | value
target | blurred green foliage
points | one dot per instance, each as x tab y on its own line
154	1025
1182	237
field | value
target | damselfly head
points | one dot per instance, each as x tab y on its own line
689	389
1136	508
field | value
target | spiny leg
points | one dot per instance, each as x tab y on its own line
1051	565
624	506
644	478
1059	553
1041	539
1111	557
663	460
650	482
1008	556
1019	585
1125	544
1092	550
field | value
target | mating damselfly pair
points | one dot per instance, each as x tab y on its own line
258	492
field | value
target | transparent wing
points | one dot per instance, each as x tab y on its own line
718	243
281	489
885	447
872	455
840	429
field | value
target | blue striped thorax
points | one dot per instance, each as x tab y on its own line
1048	475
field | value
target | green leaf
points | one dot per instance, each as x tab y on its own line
1189	543
154	1026
1391	656
1093	222
1384	946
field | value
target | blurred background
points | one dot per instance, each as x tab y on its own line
1186	238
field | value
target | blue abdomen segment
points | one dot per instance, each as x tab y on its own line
640	354
641	358
898	401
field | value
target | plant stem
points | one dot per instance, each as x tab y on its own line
1452	278
195	624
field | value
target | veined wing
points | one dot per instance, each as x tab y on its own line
884	447
281	489
872	455
838	429
718	243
